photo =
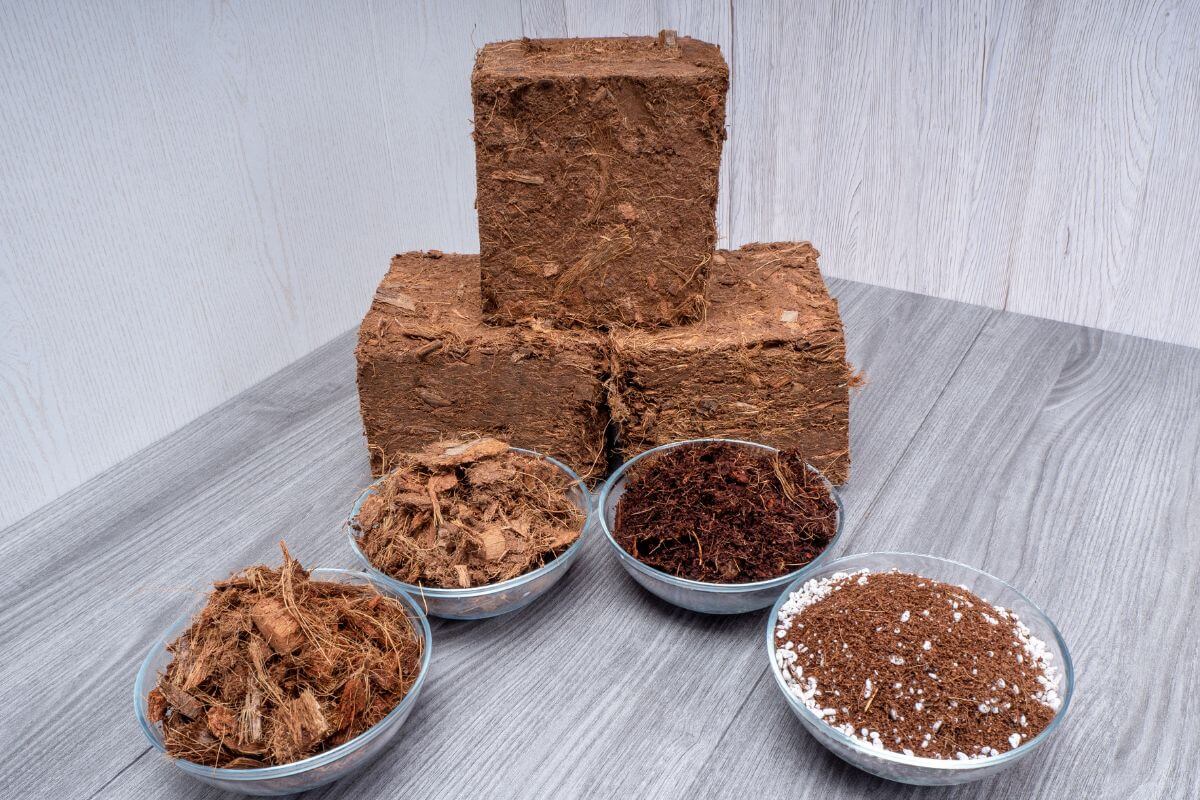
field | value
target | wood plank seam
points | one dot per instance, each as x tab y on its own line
119	772
694	790
883	485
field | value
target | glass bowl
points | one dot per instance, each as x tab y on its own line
914	769
493	599
707	598
299	776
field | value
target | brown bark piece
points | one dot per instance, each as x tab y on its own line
468	452
156	706
443	483
299	724
597	164
355	698
276	625
436	371
222	723
563	537
464	575
180	700
488	472
494	544
767	364
257	707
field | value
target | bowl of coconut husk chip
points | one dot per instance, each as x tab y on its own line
282	679
472	528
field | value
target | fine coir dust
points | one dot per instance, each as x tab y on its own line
277	667
462	514
913	665
722	512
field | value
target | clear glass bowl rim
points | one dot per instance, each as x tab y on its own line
703	586
837	565
488	588
320	759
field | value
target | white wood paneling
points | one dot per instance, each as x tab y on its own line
197	193
193	199
1039	157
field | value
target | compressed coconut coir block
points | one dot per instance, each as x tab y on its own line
428	369
767	364
596	162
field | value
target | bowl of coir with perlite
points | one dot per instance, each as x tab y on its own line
472	529
719	526
918	669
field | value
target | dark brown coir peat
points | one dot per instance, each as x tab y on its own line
909	664
722	512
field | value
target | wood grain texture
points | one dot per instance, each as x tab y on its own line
1037	157
1063	460
187	210
85	586
424	52
198	194
984	436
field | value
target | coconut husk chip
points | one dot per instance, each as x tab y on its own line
277	667
441	454
491	514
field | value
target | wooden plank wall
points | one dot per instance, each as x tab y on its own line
196	194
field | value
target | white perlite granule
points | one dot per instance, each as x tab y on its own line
812	592
806	690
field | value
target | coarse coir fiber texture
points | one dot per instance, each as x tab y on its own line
767	364
462	514
430	369
277	667
596	164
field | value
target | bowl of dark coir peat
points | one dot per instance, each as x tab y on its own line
472	529
719	526
919	669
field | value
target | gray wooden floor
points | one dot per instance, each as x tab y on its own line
1062	459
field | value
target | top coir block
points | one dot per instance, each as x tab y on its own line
596	162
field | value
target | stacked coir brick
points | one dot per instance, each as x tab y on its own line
598	319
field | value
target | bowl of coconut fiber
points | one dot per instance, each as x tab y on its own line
918	669
472	529
719	526
281	679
